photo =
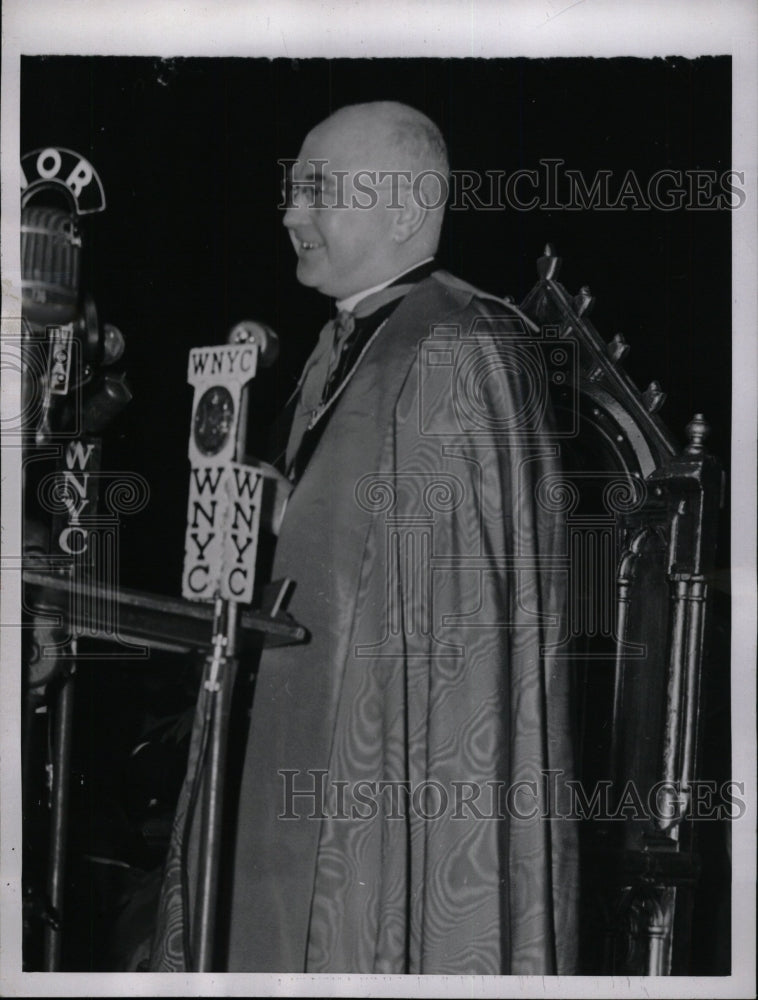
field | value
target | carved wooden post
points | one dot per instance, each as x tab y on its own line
640	730
685	494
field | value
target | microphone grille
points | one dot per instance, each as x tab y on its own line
50	264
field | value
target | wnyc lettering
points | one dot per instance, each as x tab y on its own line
224	361
78	492
223	509
222	534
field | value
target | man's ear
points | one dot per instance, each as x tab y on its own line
410	217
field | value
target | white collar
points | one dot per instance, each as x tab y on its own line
348	304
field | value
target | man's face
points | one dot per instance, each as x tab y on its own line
342	248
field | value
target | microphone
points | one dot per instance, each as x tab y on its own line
51	248
110	399
101	344
248	331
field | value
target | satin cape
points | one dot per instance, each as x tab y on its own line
394	813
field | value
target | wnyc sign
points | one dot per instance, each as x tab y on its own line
223	512
55	166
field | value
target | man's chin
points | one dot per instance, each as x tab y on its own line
313	277
307	274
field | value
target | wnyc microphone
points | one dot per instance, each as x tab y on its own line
226	490
248	331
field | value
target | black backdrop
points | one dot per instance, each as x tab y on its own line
191	241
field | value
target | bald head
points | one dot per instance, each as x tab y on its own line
369	188
389	136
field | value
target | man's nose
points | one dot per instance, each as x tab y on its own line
297	208
293	216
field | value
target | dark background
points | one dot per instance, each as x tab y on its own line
191	242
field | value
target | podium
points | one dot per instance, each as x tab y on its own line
153	620
105	621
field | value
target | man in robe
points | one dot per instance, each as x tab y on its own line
394	813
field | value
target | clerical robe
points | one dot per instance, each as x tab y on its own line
393	814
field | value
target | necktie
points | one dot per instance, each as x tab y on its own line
344	327
323	363
318	368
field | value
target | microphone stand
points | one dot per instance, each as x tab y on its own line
59	815
218	685
216	691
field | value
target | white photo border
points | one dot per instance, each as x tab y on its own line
306	28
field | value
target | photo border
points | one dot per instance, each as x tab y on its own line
302	29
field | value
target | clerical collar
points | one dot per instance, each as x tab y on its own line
349	304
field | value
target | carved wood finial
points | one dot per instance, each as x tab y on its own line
618	348
697	430
653	397
549	264
583	301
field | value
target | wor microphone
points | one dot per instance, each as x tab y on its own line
51	247
248	331
50	265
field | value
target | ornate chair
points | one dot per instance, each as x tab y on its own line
640	519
